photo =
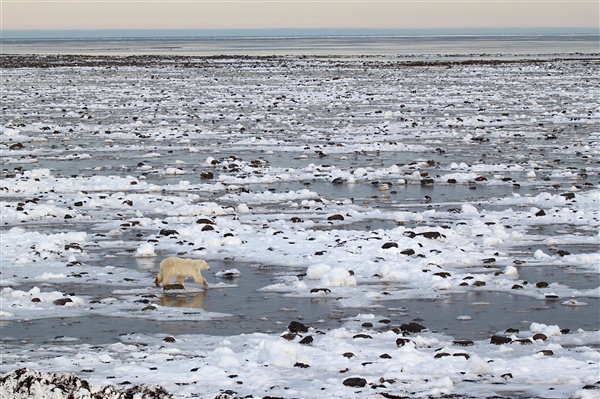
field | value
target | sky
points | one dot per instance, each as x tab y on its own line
307	14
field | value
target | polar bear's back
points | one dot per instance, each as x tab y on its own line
176	263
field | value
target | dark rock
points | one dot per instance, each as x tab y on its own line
228	394
385	356
540	336
168	232
355	382
568	196
207	175
307	340
562	252
204	221
336	217
169	287
62	301
479	283
408	251
207	227
364	336
296	219
542	284
442	274
540	213
427	181
348	355
463	342
432	235
465	355
169	339
592	386
402	341
315	290
389	245
500	340
289	336
297	327
441	355
546	352
517	287
301	365
16	146
149	308
488	261
367	325
338	180
412	328
74	246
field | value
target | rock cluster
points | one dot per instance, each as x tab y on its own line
27	384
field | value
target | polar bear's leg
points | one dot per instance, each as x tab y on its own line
167	277
198	278
158	280
180	279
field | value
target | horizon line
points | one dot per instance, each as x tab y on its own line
277	32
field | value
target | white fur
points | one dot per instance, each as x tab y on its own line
181	268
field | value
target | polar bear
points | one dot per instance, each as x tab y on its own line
181	268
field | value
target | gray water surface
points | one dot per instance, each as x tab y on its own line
253	311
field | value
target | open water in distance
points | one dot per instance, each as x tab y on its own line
349	46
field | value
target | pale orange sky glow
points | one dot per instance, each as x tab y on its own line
448	14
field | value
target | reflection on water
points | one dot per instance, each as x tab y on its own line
182	300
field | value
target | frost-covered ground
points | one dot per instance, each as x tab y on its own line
364	188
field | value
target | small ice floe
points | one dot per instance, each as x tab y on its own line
338	277
228	273
511	271
463	318
145	250
243	209
574	302
541	255
174	171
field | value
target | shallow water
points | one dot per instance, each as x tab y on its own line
252	310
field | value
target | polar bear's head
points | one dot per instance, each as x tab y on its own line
202	265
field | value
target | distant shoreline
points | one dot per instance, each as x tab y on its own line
187	61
